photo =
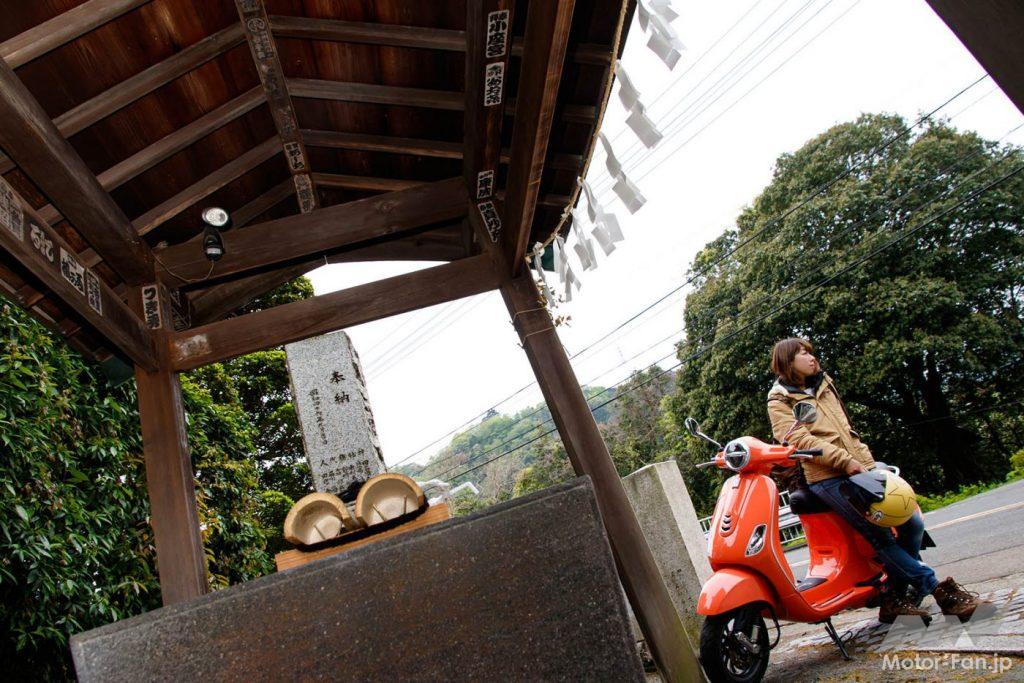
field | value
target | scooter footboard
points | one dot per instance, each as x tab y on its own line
732	587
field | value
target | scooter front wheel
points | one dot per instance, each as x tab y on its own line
734	646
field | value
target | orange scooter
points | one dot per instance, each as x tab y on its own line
752	579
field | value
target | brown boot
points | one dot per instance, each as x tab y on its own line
956	601
897	604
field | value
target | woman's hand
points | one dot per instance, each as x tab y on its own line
854	467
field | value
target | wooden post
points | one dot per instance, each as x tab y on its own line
180	561
652	604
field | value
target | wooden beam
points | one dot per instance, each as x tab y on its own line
341	91
375	94
407	36
217	301
180	560
269	199
30	137
440	149
652	604
295	237
63	28
372	34
141	84
992	31
329	312
45	254
148	157
253	14
489	32
547	34
357	182
203	188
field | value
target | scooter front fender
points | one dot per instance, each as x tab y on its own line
732	587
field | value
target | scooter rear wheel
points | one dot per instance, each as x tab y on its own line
734	646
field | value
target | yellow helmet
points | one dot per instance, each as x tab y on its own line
898	505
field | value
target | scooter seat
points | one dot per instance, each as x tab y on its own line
804	502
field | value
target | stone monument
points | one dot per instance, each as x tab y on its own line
333	408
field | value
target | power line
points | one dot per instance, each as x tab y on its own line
702	271
667	124
906	233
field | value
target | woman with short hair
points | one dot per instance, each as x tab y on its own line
800	378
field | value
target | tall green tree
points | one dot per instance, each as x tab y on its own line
925	339
76	548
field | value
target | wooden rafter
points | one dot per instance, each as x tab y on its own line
358	182
28	134
45	254
221	299
992	31
329	312
547	34
428	98
488	33
295	237
141	84
150	156
256	24
440	149
407	36
203	188
49	35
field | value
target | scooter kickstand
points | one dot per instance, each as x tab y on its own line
831	631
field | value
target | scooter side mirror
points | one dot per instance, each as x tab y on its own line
805	413
694	428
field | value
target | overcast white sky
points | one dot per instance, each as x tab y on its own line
433	370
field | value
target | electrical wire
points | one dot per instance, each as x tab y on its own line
700	272
905	234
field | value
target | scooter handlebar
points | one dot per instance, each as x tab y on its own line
807	454
709	463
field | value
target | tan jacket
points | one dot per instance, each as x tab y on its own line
831	432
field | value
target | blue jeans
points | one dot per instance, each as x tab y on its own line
901	556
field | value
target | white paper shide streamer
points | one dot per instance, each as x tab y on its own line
644	128
628	94
538	254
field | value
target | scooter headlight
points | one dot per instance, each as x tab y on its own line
756	542
737	455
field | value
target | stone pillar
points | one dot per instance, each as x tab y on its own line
333	408
663	507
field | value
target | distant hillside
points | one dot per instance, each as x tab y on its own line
508	455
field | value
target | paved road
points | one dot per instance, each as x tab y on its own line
980	540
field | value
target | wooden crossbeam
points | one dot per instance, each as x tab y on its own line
547	34
142	83
204	187
371	93
375	94
439	149
991	30
329	312
357	182
148	157
30	137
253	14
295	237
488	33
311	28
269	199
44	253
217	301
49	35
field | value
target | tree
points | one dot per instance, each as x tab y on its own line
76	548
924	339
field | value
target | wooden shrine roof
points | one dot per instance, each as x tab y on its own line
162	101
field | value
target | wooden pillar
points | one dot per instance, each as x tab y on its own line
652	604
180	561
